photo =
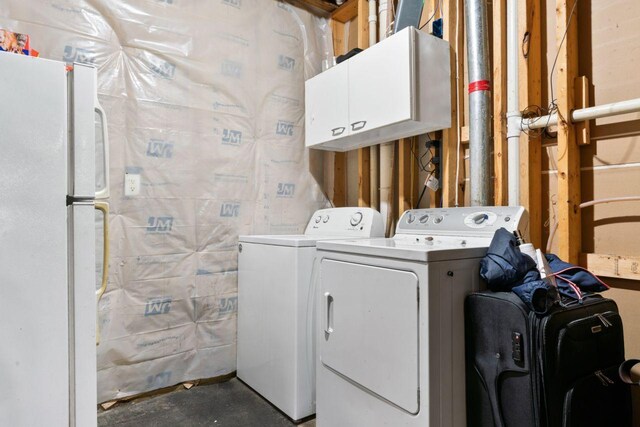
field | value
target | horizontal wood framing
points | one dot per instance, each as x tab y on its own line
619	266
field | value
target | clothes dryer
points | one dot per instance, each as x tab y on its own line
390	323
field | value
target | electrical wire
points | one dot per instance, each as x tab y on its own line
435	10
425	167
536	112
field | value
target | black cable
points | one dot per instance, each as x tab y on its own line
424	189
438	6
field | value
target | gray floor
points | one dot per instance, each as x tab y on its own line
228	404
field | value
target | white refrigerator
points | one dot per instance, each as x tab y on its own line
53	141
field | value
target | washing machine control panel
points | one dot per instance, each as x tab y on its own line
477	220
356	222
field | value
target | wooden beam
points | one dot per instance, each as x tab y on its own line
530	93
569	227
320	7
453	33
405	175
346	12
364	154
338	161
583	129
340	180
618	266
364	182
499	91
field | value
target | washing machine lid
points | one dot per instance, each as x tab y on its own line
412	248
291	240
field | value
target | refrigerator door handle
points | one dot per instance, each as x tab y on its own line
104	193
104	208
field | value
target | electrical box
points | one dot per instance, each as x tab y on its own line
397	88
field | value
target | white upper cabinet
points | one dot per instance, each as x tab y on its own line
398	88
380	86
327	115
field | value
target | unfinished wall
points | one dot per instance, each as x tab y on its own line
609	55
205	101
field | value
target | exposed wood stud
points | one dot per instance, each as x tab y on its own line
450	156
530	93
583	129
569	226
499	91
364	183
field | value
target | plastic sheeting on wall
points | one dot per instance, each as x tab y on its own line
205	103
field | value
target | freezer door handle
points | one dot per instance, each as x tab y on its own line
104	208
103	193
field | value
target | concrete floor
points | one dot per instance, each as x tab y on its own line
228	404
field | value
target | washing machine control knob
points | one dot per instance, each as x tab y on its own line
410	218
318	218
479	219
424	218
356	219
437	220
325	219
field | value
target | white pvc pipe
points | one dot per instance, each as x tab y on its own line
386	150
383	19
373	22
590	113
373	152
513	104
587	204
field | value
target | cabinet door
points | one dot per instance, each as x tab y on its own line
326	106
380	84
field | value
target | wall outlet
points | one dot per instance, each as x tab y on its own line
433	183
131	184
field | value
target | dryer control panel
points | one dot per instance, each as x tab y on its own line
465	221
356	222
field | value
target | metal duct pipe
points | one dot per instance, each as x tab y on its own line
479	101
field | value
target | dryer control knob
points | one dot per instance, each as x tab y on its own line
318	218
479	219
325	219
356	219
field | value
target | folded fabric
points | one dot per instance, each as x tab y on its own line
572	279
539	295
504	266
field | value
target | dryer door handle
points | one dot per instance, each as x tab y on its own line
328	310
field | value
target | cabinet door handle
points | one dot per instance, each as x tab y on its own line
338	131
358	125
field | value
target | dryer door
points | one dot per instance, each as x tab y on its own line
369	321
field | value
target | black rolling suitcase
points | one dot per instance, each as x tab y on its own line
559	369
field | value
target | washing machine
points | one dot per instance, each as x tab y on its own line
390	322
276	351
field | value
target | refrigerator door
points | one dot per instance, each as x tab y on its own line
89	148
34	323
82	314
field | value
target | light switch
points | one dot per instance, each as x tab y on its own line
131	184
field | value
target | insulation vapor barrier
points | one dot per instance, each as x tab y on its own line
205	104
